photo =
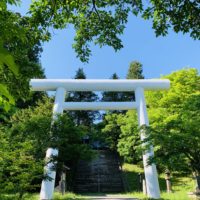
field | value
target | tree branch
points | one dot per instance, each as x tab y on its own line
95	9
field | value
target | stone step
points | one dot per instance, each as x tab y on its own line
100	175
96	188
102	180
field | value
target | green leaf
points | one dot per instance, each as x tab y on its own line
7	59
4	92
2	6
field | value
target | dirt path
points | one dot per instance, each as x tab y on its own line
111	197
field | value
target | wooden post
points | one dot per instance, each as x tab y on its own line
144	187
168	181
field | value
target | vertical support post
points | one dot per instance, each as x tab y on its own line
153	190
47	187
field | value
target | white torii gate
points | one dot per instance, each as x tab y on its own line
61	86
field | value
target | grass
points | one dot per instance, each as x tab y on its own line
181	185
57	196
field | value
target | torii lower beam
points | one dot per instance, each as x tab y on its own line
100	105
63	85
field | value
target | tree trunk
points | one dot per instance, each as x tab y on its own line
21	194
197	177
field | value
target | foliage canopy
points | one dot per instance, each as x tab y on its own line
19	58
174	124
103	21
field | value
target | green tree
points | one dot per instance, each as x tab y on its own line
129	142
180	15
112	96
6	60
135	71
175	121
26	52
111	130
19	59
102	22
23	147
82	117
116	138
19	167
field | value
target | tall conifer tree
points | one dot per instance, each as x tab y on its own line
82	117
112	96
134	72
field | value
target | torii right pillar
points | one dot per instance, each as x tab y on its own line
151	176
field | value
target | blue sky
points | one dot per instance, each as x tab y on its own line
159	56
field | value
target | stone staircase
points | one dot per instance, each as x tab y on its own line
102	174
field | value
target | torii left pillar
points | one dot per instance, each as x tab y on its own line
47	187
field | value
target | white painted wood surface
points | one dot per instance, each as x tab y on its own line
98	84
99	105
47	187
151	177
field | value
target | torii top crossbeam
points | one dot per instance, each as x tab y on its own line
98	84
